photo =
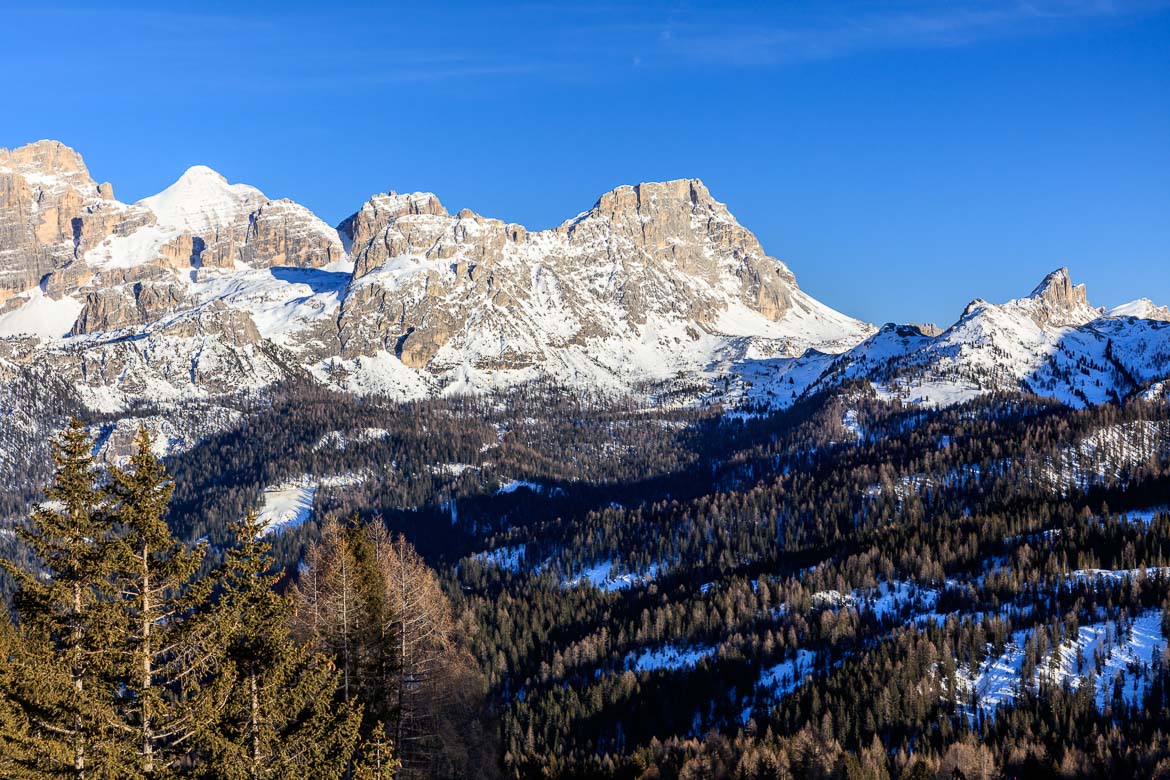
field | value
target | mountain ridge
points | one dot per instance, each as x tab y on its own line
209	288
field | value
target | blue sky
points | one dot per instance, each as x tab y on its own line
901	157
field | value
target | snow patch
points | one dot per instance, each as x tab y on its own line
667	657
41	316
606	576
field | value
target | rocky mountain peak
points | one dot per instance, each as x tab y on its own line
51	212
1057	302
1057	289
49	163
667	201
376	218
678	227
382	209
656	194
660	264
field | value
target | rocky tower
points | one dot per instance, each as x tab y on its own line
52	212
1057	302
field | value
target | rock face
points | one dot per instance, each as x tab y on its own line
51	211
442	291
127	305
1057	302
283	233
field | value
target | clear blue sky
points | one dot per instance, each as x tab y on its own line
902	157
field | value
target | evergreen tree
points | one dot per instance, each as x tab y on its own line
167	640
65	612
377	760
281	718
18	748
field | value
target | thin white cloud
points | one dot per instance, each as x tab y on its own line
737	40
573	42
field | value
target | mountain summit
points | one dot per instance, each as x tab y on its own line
202	200
1056	301
1051	343
654	278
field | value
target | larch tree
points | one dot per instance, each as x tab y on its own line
419	629
331	601
370	602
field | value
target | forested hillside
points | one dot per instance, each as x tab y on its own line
846	588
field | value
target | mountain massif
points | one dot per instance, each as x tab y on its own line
210	288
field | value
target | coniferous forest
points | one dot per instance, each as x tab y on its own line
540	584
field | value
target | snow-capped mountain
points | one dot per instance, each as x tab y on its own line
210	288
653	280
1051	343
202	200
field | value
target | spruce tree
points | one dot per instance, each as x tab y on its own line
281	718
377	760
167	642
20	751
66	615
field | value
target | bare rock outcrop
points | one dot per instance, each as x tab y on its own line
51	212
662	252
278	233
1057	302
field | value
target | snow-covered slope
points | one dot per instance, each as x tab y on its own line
36	314
1114	655
1143	309
202	201
1051	343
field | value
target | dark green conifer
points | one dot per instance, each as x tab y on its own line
282	718
167	643
19	750
66	614
377	761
